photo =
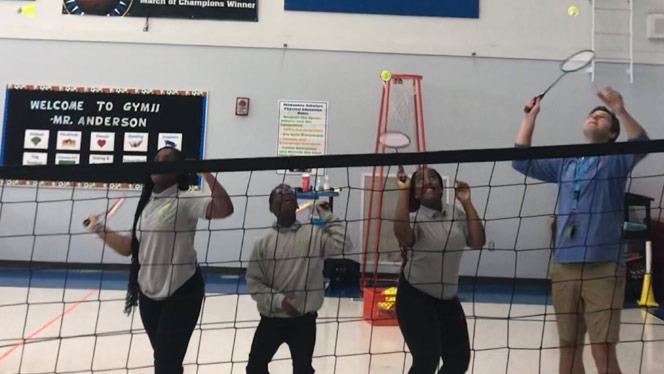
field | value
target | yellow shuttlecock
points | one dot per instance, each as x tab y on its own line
385	305
385	75
573	11
390	291
28	10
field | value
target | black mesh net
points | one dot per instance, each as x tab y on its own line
64	289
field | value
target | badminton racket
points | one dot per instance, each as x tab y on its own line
396	140
304	207
571	64
104	216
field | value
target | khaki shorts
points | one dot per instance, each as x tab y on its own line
588	297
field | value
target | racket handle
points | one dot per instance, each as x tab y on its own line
304	207
527	109
86	222
402	174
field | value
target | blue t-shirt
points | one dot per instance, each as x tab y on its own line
597	213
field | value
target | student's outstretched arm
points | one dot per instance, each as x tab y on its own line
402	229
476	237
334	236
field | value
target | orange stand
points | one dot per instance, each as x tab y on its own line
380	294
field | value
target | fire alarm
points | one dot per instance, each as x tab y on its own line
242	106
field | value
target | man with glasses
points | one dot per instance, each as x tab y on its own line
588	266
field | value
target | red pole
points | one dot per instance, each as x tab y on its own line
379	221
373	183
417	130
419	94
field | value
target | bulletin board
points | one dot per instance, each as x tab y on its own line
57	125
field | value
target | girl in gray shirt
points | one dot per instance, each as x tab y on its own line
433	235
164	278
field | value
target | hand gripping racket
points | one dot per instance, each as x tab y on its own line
104	216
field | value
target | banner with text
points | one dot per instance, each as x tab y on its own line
67	125
236	10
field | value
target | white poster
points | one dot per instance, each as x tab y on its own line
35	139
67	158
35	158
302	128
101	159
170	140
69	141
102	141
130	158
136	142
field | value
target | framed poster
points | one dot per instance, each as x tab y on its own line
302	129
54	125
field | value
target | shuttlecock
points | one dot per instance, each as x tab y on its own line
573	11
27	10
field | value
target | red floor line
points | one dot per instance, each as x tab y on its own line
49	323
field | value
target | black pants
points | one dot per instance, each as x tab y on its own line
433	329
300	335
169	323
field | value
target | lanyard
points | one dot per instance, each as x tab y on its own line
582	167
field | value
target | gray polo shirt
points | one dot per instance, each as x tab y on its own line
435	257
166	233
290	259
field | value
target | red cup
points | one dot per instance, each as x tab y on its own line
306	180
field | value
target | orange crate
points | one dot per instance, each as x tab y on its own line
380	305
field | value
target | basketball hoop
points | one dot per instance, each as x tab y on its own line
401	105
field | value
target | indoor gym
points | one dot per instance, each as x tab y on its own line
468	67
